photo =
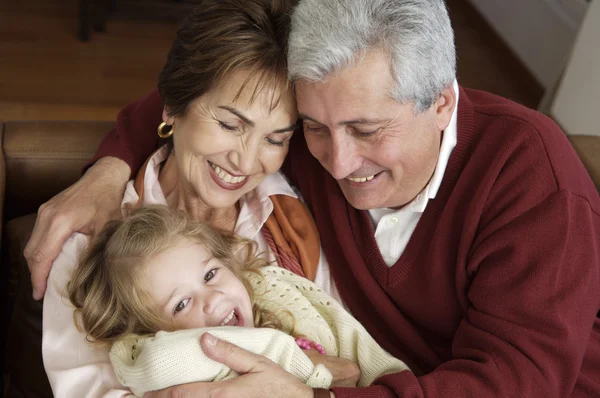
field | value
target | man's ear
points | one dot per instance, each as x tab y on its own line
167	118
444	107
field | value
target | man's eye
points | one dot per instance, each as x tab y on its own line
210	274
227	127
315	129
312	128
365	133
181	305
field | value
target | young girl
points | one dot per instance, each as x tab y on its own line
152	283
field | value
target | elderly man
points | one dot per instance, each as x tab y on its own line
461	228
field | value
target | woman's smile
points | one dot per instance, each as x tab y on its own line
225	179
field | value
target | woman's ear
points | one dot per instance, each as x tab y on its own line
170	120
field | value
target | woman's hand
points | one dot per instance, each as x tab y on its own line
259	376
83	207
345	373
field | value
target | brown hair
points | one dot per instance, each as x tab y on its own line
224	36
105	288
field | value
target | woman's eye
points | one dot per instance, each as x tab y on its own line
210	274
275	142
181	305
227	127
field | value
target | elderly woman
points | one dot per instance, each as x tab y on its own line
228	116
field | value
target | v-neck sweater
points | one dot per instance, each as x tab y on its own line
497	291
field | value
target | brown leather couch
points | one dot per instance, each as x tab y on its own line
38	160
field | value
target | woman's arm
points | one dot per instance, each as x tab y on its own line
74	367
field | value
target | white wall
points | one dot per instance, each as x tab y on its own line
576	105
540	32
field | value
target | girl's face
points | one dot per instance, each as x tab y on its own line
193	289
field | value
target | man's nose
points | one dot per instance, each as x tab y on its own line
342	157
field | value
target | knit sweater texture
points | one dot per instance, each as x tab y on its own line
171	358
497	291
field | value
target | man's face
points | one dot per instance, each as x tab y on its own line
381	153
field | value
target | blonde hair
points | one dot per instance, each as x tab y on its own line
109	299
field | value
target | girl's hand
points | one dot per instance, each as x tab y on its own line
345	373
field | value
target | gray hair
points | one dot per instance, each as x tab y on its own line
328	35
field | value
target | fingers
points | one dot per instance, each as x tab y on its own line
232	356
44	245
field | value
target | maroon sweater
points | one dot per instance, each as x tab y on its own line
497	291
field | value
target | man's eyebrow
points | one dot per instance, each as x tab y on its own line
354	121
302	116
238	114
361	121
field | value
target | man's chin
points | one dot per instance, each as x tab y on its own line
360	201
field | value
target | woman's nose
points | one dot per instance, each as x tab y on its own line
245	157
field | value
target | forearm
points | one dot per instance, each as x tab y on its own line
110	171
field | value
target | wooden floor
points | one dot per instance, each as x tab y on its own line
47	73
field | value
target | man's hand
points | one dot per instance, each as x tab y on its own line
345	373
259	376
83	207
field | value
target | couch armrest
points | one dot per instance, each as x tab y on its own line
43	158
588	149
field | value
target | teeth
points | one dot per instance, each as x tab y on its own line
226	320
362	179
225	176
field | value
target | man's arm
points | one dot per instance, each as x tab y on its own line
89	203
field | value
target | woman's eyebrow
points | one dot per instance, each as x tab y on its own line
291	127
239	114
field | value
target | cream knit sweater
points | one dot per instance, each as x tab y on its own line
170	358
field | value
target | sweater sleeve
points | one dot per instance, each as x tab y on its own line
172	358
531	308
134	138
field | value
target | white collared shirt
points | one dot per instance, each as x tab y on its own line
393	228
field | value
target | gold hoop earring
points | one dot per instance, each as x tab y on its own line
161	132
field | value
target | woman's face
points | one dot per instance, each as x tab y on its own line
193	289
225	146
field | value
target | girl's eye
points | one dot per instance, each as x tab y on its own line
181	305
210	274
227	127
